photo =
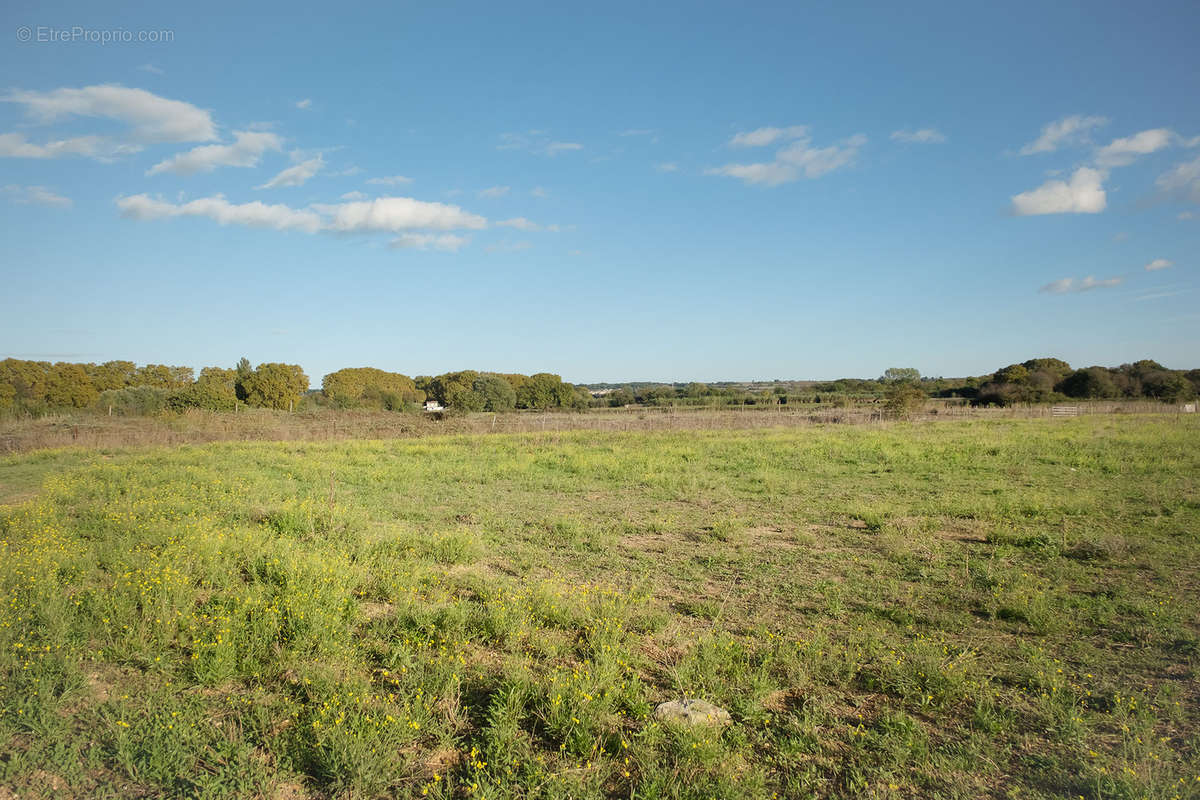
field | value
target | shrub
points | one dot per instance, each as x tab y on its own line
277	386
905	399
134	401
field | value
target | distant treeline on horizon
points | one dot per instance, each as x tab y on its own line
34	387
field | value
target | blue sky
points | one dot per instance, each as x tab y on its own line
612	191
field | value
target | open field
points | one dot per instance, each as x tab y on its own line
88	429
995	607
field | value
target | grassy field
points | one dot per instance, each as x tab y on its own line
996	608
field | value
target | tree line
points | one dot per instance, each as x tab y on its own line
1041	380
32	387
122	387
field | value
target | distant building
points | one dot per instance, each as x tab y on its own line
433	405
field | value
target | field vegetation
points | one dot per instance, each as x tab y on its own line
982	608
30	389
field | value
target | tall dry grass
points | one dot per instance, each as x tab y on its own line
92	430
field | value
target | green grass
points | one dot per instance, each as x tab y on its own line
975	609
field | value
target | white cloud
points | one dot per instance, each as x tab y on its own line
353	196
36	195
296	175
637	132
256	214
794	161
445	242
1083	194
305	103
523	224
922	136
1121	152
246	151
1186	215
539	192
667	166
1065	285
765	136
15	145
390	180
554	148
1066	131
152	69
494	191
1181	182
151	118
1158	263
397	214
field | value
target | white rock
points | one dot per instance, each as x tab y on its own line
692	712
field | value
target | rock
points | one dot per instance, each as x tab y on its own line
692	712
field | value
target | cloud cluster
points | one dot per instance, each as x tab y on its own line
1082	194
396	214
385	214
795	160
296	175
36	195
246	151
15	145
218	209
1065	285
1066	131
1159	263
1181	182
761	137
1122	152
150	119
922	136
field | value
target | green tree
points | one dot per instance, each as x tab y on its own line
1092	382
660	395
157	376
497	393
211	393
27	379
111	374
68	385
900	375
277	386
1013	373
243	372
1168	386
370	386
621	397
539	391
